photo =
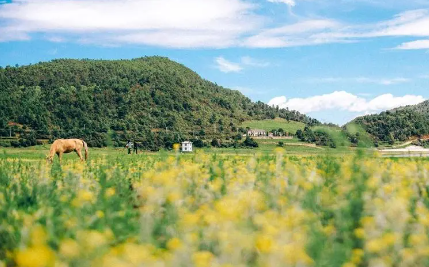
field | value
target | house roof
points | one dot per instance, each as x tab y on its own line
186	142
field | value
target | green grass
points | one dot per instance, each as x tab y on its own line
270	141
268	125
336	133
205	209
365	139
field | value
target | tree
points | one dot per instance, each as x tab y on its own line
249	142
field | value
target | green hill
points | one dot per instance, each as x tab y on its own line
362	137
399	124
335	133
152	99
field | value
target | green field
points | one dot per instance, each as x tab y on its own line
365	139
266	146
212	208
268	125
336	133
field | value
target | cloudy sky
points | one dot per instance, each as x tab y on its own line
333	60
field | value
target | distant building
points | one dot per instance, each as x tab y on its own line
187	146
256	132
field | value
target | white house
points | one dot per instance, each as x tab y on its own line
256	132
187	146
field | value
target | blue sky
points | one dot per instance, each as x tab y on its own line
333	60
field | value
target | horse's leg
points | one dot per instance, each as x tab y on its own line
60	155
79	153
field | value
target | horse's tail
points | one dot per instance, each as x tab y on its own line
85	146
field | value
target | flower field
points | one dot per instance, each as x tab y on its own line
211	210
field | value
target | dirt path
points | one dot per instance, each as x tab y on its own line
410	142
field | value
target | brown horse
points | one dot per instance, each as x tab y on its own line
61	146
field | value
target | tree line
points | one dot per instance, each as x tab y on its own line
153	100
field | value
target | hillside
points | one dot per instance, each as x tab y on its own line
398	124
275	124
152	99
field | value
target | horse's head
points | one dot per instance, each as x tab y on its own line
49	159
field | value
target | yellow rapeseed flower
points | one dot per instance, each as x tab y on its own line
110	192
69	248
38	236
176	146
264	244
202	258
99	214
37	256
174	243
359	233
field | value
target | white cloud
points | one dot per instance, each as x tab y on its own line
287	2
252	62
297	34
342	100
193	24
227	66
419	44
172	23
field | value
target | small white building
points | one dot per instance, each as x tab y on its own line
256	132
187	146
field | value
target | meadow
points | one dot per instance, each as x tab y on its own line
213	209
275	124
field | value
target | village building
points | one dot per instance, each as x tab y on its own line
187	146
256	132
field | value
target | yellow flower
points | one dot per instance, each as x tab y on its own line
173	196
176	146
202	258
91	239
85	195
110	192
294	254
359	233
38	236
99	214
38	256
375	245
389	239
264	244
136	254
174	243
69	248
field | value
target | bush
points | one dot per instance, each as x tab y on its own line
5	143
198	143
281	144
215	142
249	142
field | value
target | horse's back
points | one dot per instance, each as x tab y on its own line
67	145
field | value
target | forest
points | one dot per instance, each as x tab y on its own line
398	124
152	100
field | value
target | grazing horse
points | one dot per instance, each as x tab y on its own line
61	146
